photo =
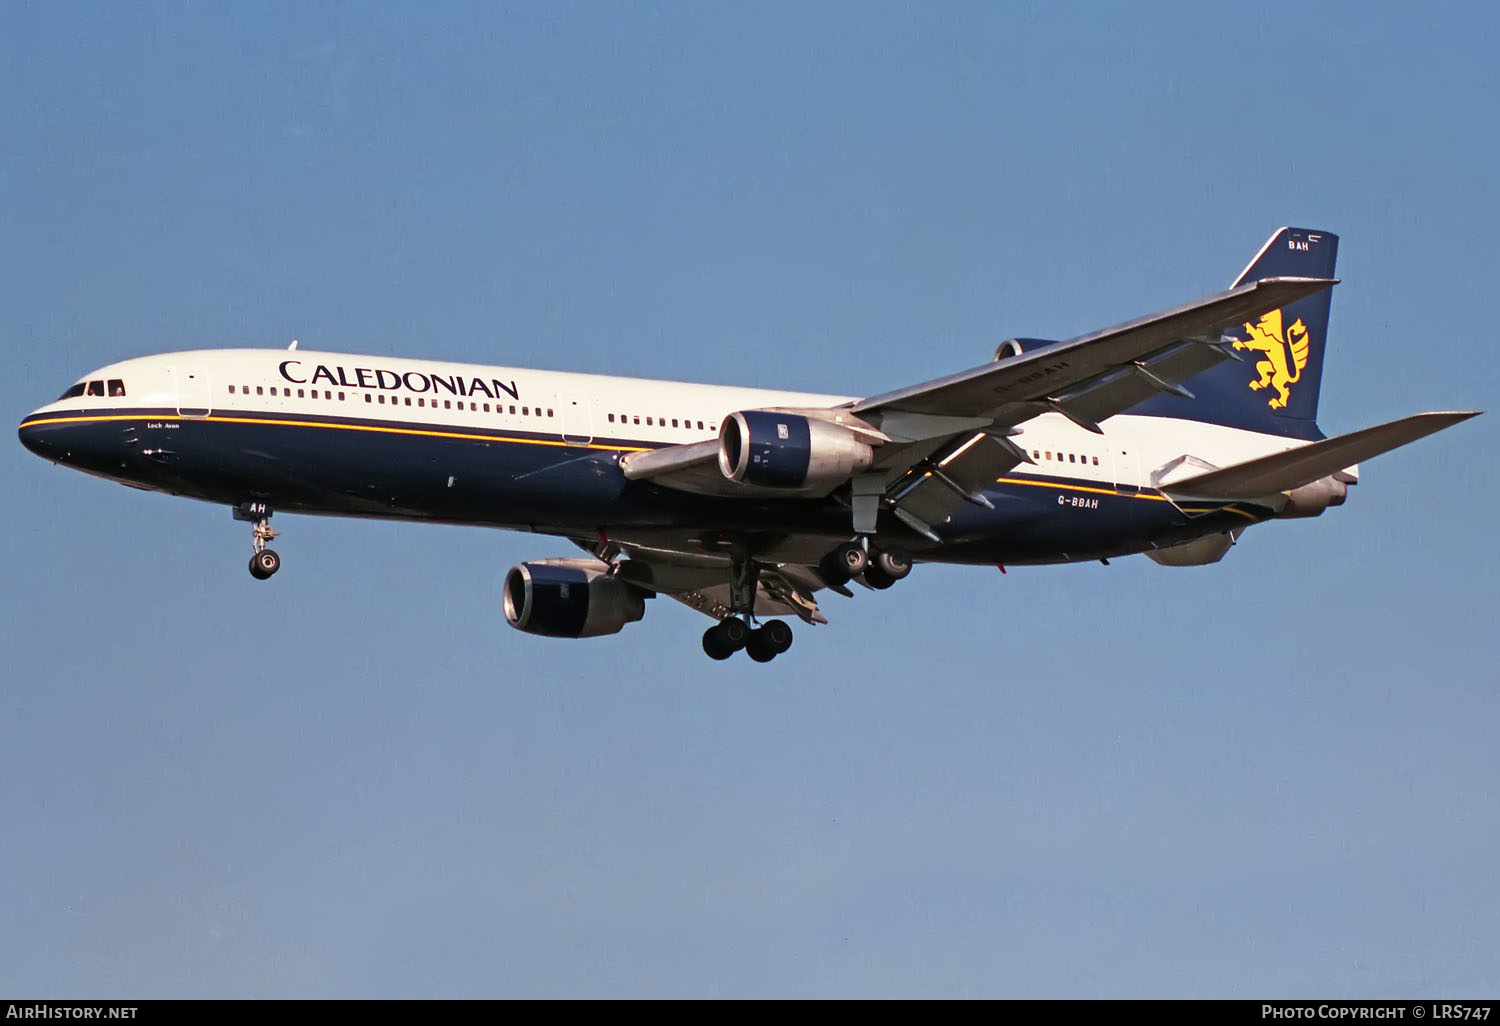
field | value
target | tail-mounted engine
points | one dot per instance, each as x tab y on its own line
787	450
1016	346
569	598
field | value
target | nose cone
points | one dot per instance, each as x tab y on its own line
37	437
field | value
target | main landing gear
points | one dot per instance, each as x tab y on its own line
264	562
734	632
876	567
762	643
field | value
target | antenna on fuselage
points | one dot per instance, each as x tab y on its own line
293	345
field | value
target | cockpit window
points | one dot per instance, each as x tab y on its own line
116	387
74	392
96	388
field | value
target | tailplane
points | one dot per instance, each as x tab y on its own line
1287	471
1273	386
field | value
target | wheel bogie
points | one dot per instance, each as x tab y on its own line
761	644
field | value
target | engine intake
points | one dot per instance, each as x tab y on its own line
786	450
569	598
1016	346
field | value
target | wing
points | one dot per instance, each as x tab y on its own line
941	442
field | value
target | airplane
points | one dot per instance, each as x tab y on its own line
1167	435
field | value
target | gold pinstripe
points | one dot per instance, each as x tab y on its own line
1111	491
377	429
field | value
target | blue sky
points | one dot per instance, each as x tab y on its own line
1271	777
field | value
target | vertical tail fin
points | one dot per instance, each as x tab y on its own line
1275	389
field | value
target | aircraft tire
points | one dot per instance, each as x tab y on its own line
844	563
263	564
777	635
893	563
713	647
759	648
733	632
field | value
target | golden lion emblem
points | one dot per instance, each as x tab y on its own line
1286	355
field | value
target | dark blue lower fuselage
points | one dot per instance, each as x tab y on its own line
344	466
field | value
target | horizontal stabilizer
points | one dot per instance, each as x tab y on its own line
1297	467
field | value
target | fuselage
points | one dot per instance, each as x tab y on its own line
344	434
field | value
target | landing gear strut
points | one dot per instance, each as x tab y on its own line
735	632
264	562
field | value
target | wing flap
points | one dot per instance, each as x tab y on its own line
1294	468
939	486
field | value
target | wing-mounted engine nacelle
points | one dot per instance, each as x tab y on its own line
1312	499
1016	346
788	450
569	598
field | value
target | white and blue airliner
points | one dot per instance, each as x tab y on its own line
1168	435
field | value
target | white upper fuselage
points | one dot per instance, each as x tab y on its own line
606	411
